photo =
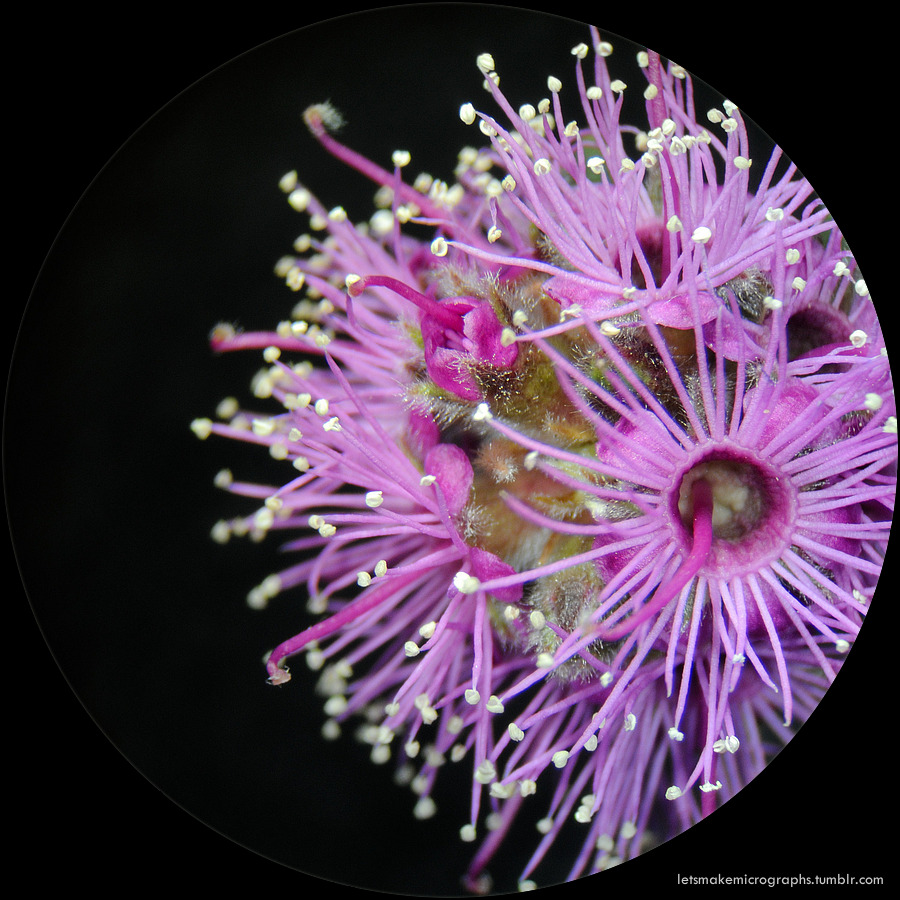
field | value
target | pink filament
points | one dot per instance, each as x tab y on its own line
701	495
427	305
363	605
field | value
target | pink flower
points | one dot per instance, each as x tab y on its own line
591	483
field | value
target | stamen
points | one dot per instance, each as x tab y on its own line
426	304
702	498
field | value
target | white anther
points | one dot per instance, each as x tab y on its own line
792	256
202	428
411	649
472	697
482	413
595	164
609	329
321	407
650	91
742	162
675	734
554	84
630	722
841	645
617	86
427	480
467	113
515	733
288	182
299	199
673	793
439	247
701	235
327	530
425	808
542	166
485	773
560	758
494	234
507	337
381	568
674	224
583	814
798	283
465	583
858	338
774	214
772	303
363	579
580	50
890	425
545	661
861	288
873	402
332	424
709	786
494	704
374	499
509	184
606	679
485	62
594	92
467	833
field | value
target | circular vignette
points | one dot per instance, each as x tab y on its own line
105	493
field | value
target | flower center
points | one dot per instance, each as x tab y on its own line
737	499
752	508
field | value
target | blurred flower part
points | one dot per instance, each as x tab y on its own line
591	488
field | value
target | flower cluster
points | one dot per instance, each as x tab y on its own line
591	488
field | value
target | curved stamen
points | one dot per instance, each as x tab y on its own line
363	604
427	305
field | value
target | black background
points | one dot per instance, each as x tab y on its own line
110	496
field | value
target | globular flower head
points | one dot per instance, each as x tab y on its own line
592	488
